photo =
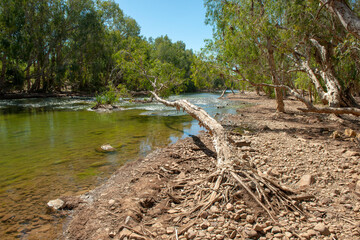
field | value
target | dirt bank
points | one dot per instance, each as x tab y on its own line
157	197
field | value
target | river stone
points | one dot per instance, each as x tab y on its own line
229	207
107	148
55	204
170	230
205	225
220	237
251	233
320	227
215	209
258	227
305	181
250	219
288	234
191	234
275	230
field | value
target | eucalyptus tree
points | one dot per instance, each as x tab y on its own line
345	12
11	22
158	77
207	74
244	36
274	38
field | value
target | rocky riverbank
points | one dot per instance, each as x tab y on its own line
158	197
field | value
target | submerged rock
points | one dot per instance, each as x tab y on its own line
106	148
106	108
55	204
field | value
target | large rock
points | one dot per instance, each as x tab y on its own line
305	181
56	204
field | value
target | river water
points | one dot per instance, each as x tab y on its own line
48	149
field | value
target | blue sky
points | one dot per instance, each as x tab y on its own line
181	20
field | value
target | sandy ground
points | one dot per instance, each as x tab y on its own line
160	197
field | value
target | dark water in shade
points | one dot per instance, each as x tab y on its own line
47	149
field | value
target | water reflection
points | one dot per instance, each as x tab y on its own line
47	148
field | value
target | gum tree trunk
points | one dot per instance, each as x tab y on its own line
280	107
220	138
347	17
335	95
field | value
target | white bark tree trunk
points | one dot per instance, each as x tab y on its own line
220	138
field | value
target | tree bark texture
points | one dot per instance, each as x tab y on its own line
278	91
347	17
220	138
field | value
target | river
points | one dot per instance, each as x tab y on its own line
48	149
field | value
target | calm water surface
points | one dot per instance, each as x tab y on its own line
48	149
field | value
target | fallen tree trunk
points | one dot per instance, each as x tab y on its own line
220	140
232	166
223	93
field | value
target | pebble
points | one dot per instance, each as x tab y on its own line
205	225
305	181
321	227
204	215
220	237
169	230
311	232
214	209
229	207
250	218
191	234
288	234
250	232
275	229
258	227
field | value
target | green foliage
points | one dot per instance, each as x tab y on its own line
244	30
56	44
112	95
144	61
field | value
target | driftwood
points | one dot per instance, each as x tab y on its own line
232	166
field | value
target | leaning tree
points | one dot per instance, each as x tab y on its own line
274	39
159	77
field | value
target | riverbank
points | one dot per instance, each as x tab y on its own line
8	96
153	197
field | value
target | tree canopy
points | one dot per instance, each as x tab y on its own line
76	45
272	43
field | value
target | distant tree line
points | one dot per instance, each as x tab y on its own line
77	45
